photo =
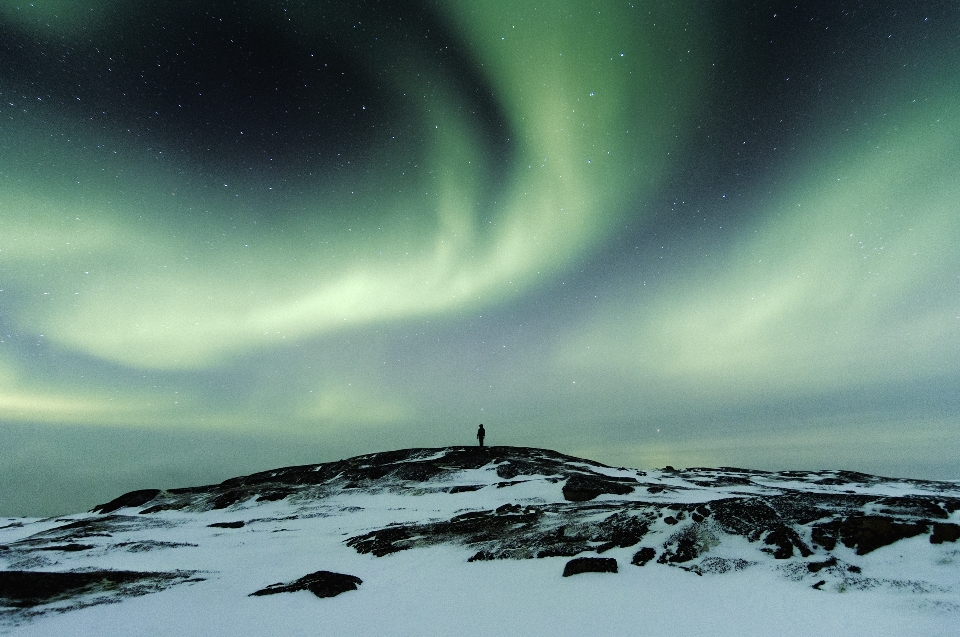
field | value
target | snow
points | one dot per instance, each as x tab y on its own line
435	590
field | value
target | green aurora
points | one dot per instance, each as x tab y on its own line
252	234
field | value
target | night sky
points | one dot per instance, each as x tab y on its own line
238	235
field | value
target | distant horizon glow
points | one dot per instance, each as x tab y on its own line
274	234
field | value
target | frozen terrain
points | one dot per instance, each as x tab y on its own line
499	541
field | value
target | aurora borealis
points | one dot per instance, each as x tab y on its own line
236	235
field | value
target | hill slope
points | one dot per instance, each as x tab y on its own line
502	540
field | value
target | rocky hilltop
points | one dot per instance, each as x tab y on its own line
817	528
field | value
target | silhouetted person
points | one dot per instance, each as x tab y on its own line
480	434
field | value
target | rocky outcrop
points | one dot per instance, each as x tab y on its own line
27	589
321	584
131	499
944	532
643	556
866	533
515	532
586	487
590	565
395	471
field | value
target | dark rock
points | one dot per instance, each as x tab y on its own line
67	547
227	525
717	479
166	506
944	532
785	540
383	542
230	497
718	565
825	535
911	505
655	489
819	584
562	550
754	517
321	584
273	496
590	565
582	488
670	520
481	556
418	471
465	488
151	545
131	499
621	530
26	589
816	567
686	544
643	556
869	532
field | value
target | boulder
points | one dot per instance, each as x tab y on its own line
590	565
643	556
321	584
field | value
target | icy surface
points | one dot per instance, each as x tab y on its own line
469	542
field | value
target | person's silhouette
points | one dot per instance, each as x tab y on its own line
480	434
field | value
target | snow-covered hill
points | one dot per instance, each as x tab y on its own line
495	541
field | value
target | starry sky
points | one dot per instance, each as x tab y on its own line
243	234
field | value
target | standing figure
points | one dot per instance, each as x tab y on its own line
480	434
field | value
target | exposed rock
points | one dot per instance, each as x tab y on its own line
698	510
230	497
321	584
131	499
722	565
383	542
151	545
590	565
273	496
688	543
754	518
944	532
866	533
621	530
643	556
73	546
515	532
464	488
26	589
582	488
815	567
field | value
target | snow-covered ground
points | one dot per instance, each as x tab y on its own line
427	528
